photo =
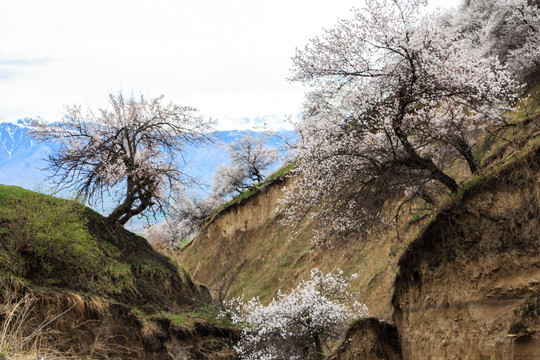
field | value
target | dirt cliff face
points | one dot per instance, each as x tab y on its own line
466	287
462	282
369	339
247	250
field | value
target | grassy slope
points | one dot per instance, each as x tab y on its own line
246	247
57	255
51	242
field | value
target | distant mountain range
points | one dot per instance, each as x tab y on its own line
23	159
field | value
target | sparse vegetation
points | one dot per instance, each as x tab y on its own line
527	315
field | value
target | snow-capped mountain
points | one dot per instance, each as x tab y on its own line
21	157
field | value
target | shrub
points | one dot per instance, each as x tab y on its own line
299	325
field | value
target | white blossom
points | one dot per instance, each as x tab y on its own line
395	98
300	323
250	158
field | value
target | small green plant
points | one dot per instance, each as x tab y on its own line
183	243
206	314
528	313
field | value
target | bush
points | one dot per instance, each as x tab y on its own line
300	325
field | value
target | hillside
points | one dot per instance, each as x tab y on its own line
468	286
247	250
71	286
466	272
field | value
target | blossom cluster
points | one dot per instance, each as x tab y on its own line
397	95
300	323
187	215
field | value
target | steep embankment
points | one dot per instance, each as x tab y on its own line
69	285
247	249
468	286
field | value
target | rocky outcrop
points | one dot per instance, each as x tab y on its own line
369	339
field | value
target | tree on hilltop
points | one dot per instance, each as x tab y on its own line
130	151
396	98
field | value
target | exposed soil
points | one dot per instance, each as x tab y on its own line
461	281
369	339
248	251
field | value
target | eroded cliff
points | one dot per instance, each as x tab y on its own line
245	249
466	288
461	281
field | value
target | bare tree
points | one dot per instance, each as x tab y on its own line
130	151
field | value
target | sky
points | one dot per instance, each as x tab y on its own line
231	59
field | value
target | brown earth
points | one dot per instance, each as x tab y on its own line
246	249
462	281
369	339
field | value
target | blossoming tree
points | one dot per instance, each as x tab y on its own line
509	29
250	157
395	97
300	324
188	215
131	151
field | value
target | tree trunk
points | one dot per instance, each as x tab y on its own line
125	211
415	161
466	151
318	347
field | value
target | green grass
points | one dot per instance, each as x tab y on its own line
183	243
61	243
206	314
44	233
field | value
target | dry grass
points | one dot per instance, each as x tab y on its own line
16	311
32	324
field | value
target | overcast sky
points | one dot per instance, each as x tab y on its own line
231	59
